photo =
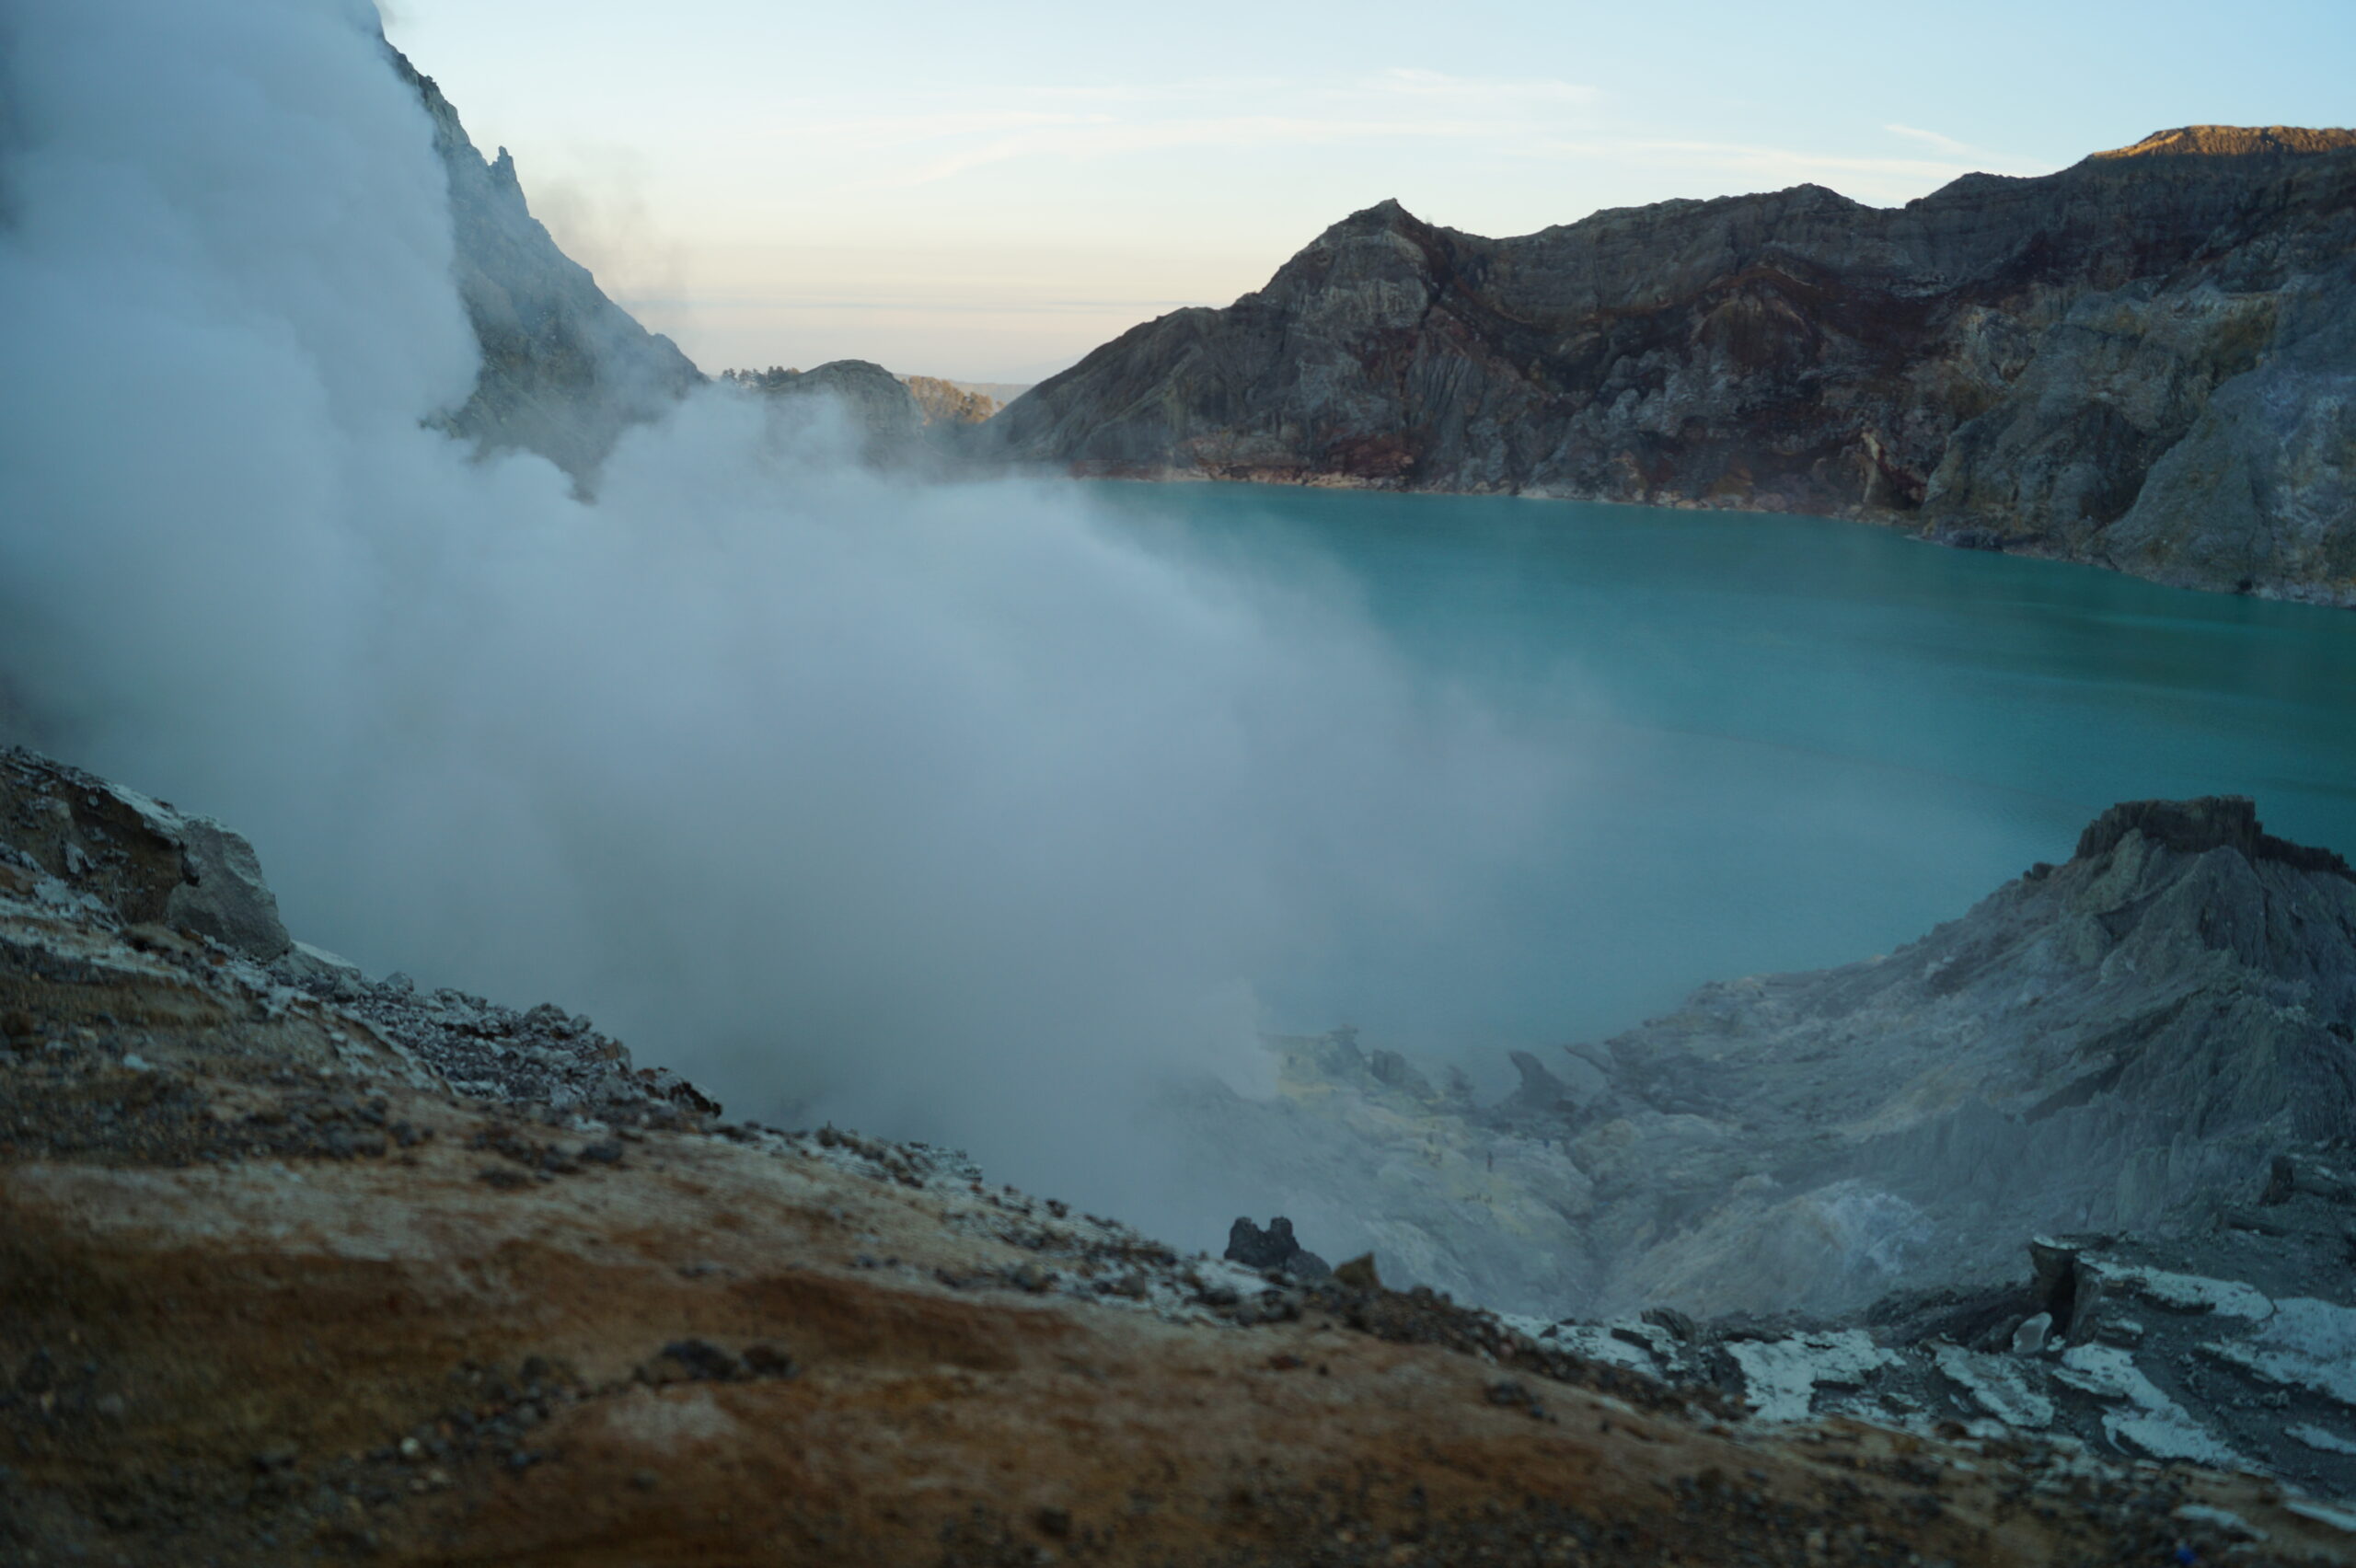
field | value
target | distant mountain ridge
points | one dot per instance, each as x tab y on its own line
2146	361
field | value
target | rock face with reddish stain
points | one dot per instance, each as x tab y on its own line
2144	361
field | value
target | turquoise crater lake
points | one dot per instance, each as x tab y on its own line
1797	742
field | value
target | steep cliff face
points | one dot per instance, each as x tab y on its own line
2142	361
565	370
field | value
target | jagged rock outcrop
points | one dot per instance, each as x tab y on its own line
565	370
147	863
2107	1044
1275	1250
297	1265
2144	361
945	402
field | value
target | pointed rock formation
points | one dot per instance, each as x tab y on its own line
565	370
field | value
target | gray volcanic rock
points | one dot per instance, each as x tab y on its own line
1275	1250
565	370
141	861
2089	1049
2142	362
2106	1045
288	1276
2230	1345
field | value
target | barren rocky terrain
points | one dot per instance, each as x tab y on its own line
2118	1044
301	1264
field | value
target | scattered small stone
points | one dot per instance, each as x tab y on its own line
1511	1395
768	1361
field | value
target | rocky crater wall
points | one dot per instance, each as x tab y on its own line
2144	361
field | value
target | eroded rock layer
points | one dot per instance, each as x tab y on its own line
2145	361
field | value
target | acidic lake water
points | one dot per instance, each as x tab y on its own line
1792	741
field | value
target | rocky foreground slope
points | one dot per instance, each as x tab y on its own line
2145	361
299	1265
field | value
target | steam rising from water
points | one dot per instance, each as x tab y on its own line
938	811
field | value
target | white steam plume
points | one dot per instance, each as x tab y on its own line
937	809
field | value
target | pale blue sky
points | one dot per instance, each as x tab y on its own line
987	191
